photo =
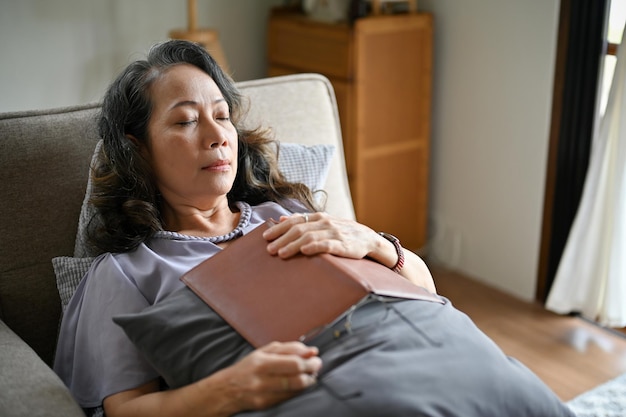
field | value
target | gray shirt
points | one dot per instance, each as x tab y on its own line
94	356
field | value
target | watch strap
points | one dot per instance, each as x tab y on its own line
396	243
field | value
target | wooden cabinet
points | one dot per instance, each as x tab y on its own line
381	70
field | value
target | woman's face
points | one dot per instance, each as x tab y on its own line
192	141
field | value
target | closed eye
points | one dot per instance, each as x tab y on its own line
187	122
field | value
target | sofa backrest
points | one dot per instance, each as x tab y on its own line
44	165
44	161
301	108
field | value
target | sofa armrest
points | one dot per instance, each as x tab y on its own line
28	387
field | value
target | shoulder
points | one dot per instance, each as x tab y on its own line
154	267
149	272
107	277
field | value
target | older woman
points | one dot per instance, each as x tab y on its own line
177	181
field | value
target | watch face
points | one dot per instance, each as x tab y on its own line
389	237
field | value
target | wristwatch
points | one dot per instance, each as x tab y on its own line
396	243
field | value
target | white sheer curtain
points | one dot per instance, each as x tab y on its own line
591	277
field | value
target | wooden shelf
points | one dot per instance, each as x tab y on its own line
381	70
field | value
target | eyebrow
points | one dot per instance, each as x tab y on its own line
193	103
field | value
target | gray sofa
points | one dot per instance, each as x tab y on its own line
44	166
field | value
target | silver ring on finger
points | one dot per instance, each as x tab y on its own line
306	217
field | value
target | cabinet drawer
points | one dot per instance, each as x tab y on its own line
392	194
302	44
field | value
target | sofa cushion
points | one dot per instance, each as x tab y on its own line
81	247
28	387
42	164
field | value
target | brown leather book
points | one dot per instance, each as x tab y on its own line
266	298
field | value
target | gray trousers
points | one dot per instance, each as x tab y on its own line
416	358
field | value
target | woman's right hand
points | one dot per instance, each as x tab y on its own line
266	377
272	374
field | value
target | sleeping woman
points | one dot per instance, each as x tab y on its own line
177	181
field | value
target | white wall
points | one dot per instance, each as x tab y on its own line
65	52
493	77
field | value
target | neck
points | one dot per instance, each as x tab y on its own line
215	220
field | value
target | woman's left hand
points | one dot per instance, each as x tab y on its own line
315	233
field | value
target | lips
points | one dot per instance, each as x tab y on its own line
219	165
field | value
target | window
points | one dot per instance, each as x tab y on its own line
616	20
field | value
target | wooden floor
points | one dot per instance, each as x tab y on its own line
569	354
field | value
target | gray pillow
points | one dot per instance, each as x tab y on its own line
69	272
305	164
182	330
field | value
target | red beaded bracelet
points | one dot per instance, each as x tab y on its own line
396	243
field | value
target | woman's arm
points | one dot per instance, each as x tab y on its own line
269	375
322	233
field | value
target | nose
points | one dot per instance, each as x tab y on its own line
213	135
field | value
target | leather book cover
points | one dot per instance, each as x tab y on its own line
266	298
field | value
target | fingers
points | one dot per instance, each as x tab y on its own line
293	383
286	223
291	358
294	348
298	233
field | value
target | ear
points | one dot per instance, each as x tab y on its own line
143	149
133	140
